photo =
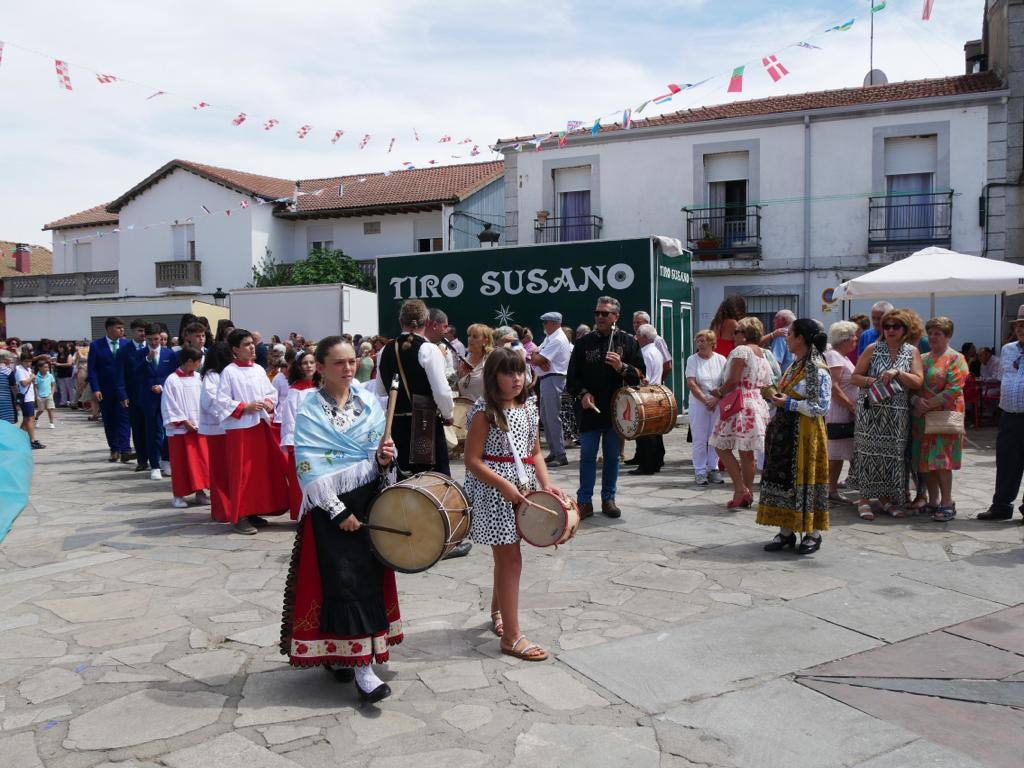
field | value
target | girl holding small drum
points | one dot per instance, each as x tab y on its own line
503	426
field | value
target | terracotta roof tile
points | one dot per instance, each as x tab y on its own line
420	186
90	217
844	97
40	264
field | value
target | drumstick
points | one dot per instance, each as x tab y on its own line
392	402
385	529
538	506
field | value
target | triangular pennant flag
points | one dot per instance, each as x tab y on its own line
200	105
303	132
844	27
240	119
595	128
643	106
627	118
774	68
736	81
364	141
63	74
337	135
105	79
879	6
269	125
1	51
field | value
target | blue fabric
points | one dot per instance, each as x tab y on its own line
130	362
15	474
870	336
589	442
106	373
7	402
781	351
154	447
115	424
151	376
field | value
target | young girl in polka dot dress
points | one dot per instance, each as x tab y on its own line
493	485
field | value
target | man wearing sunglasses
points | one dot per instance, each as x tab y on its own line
602	361
1010	438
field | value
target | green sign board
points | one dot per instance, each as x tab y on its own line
517	284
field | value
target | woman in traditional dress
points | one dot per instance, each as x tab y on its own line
742	430
842	337
304	381
340	602
794	483
883	423
945	372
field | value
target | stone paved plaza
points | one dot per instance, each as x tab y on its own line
136	635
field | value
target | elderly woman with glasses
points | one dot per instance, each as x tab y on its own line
842	339
886	371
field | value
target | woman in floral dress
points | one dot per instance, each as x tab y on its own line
936	456
746	370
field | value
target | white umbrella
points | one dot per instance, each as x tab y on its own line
935	272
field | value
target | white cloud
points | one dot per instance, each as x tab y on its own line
460	67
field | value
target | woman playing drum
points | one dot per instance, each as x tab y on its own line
502	421
340	603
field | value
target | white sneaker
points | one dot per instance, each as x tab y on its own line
716	477
177	502
154	474
165	466
702	480
202	498
52	425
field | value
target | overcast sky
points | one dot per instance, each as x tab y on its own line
480	70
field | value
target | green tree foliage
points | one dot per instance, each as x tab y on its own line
323	265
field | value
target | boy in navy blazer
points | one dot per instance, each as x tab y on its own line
106	378
157	363
130	364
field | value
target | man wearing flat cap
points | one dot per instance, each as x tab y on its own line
552	361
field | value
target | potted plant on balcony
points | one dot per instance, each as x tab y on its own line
708	242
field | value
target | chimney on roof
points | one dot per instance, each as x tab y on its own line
22	258
974	57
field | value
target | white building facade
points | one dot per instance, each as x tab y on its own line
782	199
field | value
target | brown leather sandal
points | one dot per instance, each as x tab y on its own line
529	652
497	626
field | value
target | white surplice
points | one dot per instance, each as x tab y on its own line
290	409
209	421
180	401
239	386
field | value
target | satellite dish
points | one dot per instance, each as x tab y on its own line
876	77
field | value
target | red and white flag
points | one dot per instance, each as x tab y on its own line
303	132
2	54
201	105
106	79
444	140
240	119
63	74
475	151
391	145
337	135
364	141
774	68
244	204
466	141
227	212
926	13
269	125
415	134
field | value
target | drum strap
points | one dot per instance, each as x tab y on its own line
507	459
524	479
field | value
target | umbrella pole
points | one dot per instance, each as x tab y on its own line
931	305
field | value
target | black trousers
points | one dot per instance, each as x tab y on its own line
401	433
650	453
1009	460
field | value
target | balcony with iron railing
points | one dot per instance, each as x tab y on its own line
178	275
567	229
910	221
726	231
62	284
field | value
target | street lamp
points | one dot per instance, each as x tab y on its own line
219	296
488	237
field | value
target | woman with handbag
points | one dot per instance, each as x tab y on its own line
886	370
842	338
794	483
742	411
937	438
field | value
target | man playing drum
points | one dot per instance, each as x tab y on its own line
602	361
425	403
650	451
552	360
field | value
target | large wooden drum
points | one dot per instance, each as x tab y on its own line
428	514
644	411
547	528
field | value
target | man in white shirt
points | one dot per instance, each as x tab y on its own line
437	326
642	318
989	364
650	451
552	361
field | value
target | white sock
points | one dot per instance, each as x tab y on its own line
366	679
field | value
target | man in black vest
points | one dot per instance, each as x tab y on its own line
420	368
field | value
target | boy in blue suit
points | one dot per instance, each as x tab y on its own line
106	378
131	364
157	363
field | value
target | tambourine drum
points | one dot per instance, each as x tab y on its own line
459	428
547	529
428	514
644	411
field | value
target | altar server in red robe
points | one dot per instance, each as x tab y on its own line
257	479
218	357
180	409
303	380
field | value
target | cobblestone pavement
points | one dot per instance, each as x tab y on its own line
136	635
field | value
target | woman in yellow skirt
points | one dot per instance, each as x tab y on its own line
794	482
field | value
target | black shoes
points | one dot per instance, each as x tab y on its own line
781	542
556	461
631	462
459	550
586	510
244	526
809	544
610	509
341	674
142	467
639	471
36	445
257	521
126	457
994	513
382	691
